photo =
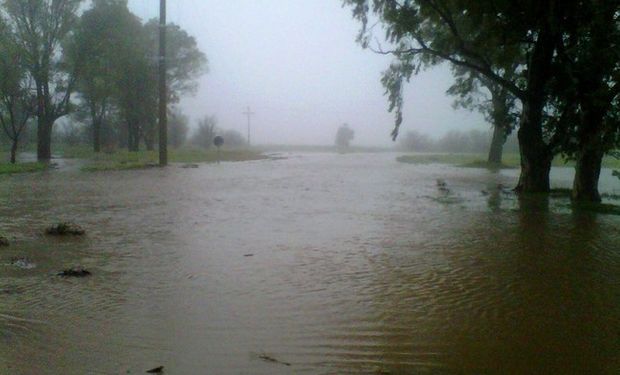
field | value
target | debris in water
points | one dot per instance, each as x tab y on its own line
189	166
248	255
442	186
156	370
4	241
23	263
64	229
267	358
74	272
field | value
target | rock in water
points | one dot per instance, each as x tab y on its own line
4	241
156	370
65	229
189	166
74	272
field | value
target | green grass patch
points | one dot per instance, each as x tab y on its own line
8	168
125	160
487	165
461	160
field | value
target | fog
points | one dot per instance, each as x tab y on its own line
297	65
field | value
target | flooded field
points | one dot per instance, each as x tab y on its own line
315	264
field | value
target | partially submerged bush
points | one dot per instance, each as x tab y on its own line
65	229
74	272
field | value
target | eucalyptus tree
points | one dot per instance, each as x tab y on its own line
40	27
204	134
484	36
185	64
587	92
17	102
104	34
178	127
496	104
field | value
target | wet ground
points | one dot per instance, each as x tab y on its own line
317	264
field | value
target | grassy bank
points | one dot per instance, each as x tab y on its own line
121	160
8	168
509	160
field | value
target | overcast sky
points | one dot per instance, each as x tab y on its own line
297	65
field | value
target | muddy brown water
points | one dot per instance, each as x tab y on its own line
359	265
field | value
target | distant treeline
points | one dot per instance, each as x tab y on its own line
457	141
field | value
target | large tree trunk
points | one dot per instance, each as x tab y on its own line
590	154
497	145
14	150
535	155
44	139
587	173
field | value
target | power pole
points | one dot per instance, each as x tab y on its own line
249	113
163	94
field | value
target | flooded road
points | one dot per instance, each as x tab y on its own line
333	264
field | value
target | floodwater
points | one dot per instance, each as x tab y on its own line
333	264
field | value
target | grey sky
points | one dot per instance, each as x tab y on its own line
296	63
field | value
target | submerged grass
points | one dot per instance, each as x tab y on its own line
124	160
509	160
460	160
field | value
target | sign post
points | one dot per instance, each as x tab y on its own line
218	142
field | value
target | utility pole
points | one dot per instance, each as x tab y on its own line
163	94
249	113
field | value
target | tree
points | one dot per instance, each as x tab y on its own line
482	36
103	34
416	141
499	109
40	27
586	92
177	128
344	136
185	63
135	84
16	99
234	139
203	137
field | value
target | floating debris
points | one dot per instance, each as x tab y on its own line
23	263
190	166
156	370
441	183
267	358
248	255
74	272
64	229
